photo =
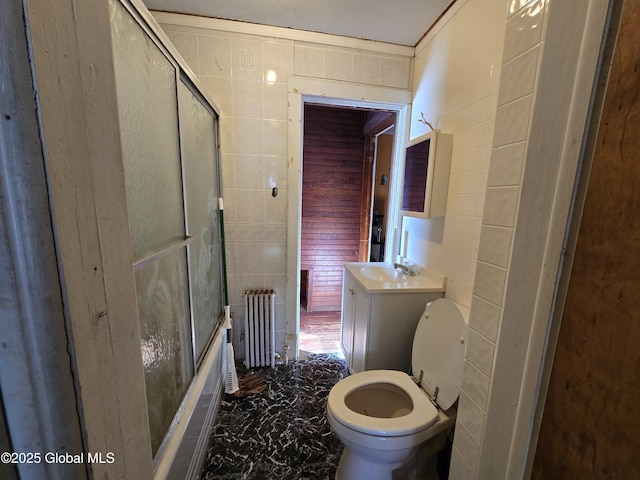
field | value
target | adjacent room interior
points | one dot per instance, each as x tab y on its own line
347	157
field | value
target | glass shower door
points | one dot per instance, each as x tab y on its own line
199	146
171	175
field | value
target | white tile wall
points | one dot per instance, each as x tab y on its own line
459	470
338	65
366	69
456	87
309	61
524	30
489	282
517	88
496	245
485	318
512	121
349	65
394	72
480	352
187	45
214	54
467	446
506	165
519	76
475	385
272	107
471	415
500	206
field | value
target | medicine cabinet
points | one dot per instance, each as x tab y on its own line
426	175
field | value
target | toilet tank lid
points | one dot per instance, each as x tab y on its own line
438	351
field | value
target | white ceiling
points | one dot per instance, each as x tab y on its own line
402	22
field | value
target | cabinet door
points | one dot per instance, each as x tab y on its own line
348	303
362	303
426	175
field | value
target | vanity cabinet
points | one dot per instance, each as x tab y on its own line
378	327
355	313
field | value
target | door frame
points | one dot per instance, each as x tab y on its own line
306	90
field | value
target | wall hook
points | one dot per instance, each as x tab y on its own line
424	120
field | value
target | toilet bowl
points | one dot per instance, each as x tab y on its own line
383	416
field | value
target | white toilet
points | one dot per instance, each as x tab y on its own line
383	416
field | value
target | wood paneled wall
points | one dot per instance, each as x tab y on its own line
332	186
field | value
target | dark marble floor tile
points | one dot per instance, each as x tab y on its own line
283	432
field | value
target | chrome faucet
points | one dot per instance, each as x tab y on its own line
406	269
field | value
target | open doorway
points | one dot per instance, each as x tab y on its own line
345	193
381	194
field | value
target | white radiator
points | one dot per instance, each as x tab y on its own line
259	328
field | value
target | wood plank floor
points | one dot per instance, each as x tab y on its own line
320	332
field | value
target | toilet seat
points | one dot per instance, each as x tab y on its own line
437	356
422	415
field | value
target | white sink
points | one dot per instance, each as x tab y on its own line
383	273
375	277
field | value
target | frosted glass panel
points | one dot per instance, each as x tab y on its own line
198	128
165	336
147	104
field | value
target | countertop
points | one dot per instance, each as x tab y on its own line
425	281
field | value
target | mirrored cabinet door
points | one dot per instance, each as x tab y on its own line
426	175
